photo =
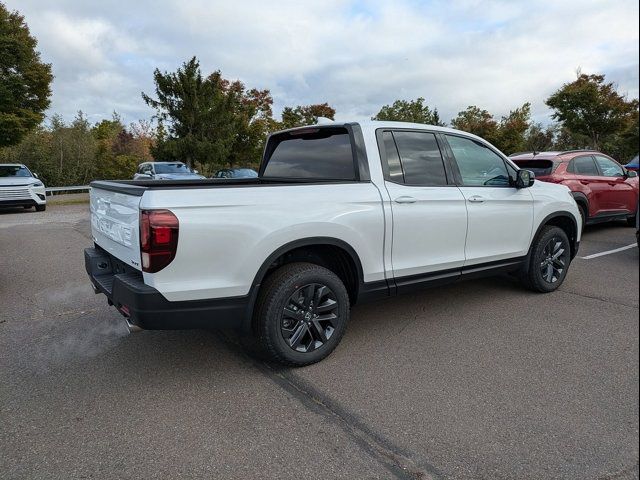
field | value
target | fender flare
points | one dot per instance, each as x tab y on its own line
543	223
287	247
581	198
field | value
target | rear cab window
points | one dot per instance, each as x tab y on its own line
321	153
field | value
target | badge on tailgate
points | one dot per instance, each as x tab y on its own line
115	231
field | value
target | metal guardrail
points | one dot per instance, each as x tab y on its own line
74	188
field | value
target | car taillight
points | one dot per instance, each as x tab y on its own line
158	239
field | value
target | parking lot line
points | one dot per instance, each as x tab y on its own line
608	252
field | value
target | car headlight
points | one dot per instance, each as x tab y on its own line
37	184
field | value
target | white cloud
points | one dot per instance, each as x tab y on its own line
356	55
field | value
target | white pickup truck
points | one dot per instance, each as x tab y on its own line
340	213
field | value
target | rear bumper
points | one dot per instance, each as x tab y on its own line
146	308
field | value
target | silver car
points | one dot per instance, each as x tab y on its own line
165	171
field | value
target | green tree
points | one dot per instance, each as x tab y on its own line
565	139
208	121
252	118
591	107
25	81
623	144
539	138
305	115
74	148
414	111
511	133
196	114
477	121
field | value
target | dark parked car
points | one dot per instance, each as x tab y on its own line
633	164
603	189
236	173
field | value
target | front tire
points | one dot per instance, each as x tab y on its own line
41	208
301	314
549	260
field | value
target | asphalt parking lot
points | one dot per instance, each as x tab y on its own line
476	380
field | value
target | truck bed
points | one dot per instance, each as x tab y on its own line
138	187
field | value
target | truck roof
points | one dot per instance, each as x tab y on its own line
376	124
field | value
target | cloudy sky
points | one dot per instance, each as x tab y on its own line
356	55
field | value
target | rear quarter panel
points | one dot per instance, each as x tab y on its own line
226	234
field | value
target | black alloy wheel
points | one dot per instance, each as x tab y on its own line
309	318
548	260
301	314
554	263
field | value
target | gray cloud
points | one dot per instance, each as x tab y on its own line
355	55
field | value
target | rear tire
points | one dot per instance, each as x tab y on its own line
41	208
301	314
631	221
549	260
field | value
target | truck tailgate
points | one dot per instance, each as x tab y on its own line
114	224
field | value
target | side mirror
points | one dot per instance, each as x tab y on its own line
196	171
35	175
525	178
631	173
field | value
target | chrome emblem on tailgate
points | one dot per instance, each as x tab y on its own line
115	231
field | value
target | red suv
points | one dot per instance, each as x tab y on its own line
603	189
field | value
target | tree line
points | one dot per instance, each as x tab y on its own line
211	122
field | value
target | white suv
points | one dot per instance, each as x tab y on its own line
21	188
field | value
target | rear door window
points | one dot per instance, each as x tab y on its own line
420	158
313	153
392	158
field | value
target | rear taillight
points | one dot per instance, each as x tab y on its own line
158	239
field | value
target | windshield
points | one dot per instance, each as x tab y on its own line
14	171
171	168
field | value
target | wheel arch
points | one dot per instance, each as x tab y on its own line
564	220
581	199
329	252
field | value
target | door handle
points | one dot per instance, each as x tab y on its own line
584	182
405	199
476	199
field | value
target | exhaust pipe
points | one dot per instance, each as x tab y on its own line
133	328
